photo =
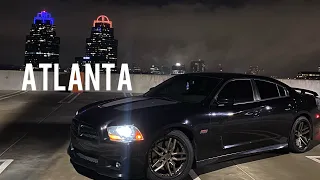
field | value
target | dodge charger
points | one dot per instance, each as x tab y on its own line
189	121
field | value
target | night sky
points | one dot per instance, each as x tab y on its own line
281	36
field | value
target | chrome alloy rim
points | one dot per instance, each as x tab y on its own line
302	134
168	157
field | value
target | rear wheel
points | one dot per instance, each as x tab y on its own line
301	135
170	157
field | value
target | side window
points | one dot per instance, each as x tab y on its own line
191	89
239	90
267	90
282	91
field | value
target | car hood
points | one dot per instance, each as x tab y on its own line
123	111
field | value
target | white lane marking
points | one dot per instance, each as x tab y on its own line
13	144
131	94
4	95
28	132
17	94
244	171
314	158
125	95
5	164
193	175
62	100
73	98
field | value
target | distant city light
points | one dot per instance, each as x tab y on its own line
178	64
102	19
43	16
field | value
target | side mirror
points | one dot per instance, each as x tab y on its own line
225	102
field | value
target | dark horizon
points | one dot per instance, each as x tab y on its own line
278	36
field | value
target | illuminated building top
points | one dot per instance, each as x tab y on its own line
102	19
44	17
101	46
42	43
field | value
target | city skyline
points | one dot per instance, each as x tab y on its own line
42	43
259	35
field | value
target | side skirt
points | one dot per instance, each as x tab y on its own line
239	154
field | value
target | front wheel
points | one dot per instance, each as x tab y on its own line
170	157
301	135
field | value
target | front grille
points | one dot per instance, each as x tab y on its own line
84	130
74	126
87	131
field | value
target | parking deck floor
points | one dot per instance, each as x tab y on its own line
34	136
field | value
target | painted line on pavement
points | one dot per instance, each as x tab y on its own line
15	92
244	171
28	132
193	175
314	158
13	95
71	100
62	100
5	164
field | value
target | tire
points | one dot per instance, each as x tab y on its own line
294	145
183	167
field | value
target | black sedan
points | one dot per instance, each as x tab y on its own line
191	120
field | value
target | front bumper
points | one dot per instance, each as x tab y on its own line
115	160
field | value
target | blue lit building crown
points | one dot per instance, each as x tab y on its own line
43	16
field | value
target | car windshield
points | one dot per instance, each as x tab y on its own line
191	89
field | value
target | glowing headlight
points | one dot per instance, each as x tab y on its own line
127	133
77	113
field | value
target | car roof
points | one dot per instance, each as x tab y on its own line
228	76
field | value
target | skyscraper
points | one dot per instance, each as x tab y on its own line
101	46
197	66
178	69
42	44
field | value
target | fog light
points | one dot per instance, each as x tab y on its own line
118	165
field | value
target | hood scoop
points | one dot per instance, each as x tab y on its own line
122	101
147	103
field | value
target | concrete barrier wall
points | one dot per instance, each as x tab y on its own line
12	80
313	85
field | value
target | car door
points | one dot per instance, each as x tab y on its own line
239	120
276	110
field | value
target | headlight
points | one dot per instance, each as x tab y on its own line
127	133
77	113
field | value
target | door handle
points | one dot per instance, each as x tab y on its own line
288	108
249	114
268	107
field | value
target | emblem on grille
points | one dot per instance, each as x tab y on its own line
204	131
